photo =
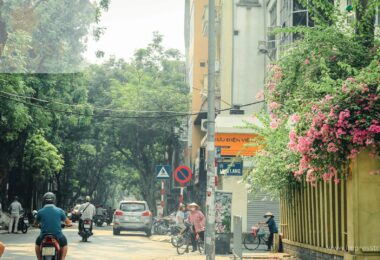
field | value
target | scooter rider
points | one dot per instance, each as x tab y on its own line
88	211
50	218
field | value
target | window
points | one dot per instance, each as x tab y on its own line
293	13
271	36
132	207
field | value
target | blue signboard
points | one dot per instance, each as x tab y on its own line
163	171
230	168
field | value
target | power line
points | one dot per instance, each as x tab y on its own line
173	114
89	105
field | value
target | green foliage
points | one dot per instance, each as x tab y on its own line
304	84
273	164
43	158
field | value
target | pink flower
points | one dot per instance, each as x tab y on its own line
260	95
374	129
277	72
339	133
295	118
304	144
273	124
332	148
306	62
274	106
271	86
328	97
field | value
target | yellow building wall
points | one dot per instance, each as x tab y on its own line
197	53
363	209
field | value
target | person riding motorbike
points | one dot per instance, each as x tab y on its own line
49	218
87	211
2	249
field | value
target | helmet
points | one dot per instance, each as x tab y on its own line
88	198
49	198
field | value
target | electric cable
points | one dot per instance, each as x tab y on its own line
14	97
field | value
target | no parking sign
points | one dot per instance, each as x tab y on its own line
183	175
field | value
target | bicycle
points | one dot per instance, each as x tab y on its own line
175	232
184	240
256	237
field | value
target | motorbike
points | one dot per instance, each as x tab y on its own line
50	249
23	223
161	226
85	231
99	220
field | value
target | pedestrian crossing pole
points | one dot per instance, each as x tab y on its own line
210	196
181	195
162	194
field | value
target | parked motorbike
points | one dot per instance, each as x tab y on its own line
23	223
161	226
85	231
50	248
99	220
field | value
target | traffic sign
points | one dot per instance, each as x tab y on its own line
182	174
163	171
230	168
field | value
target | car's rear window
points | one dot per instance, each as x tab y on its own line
132	207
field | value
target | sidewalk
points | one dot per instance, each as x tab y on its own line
272	256
246	255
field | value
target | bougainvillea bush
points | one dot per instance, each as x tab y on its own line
338	127
322	109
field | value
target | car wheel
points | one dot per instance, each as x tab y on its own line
116	232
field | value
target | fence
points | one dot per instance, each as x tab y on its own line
316	215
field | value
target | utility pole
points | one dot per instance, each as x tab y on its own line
210	199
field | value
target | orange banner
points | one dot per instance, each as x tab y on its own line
235	144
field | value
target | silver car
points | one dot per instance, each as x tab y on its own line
132	216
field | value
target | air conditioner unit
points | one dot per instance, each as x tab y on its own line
204	125
217	66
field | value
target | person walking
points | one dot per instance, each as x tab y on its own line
198	220
272	228
180	216
15	208
88	211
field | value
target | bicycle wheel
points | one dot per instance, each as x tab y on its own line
183	245
176	240
251	242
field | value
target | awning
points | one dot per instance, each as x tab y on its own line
235	124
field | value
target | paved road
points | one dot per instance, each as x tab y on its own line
103	245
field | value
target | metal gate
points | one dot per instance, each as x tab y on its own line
258	205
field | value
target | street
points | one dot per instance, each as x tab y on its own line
103	245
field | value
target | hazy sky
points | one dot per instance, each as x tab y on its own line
130	24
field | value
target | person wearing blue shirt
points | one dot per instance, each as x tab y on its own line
272	228
50	218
